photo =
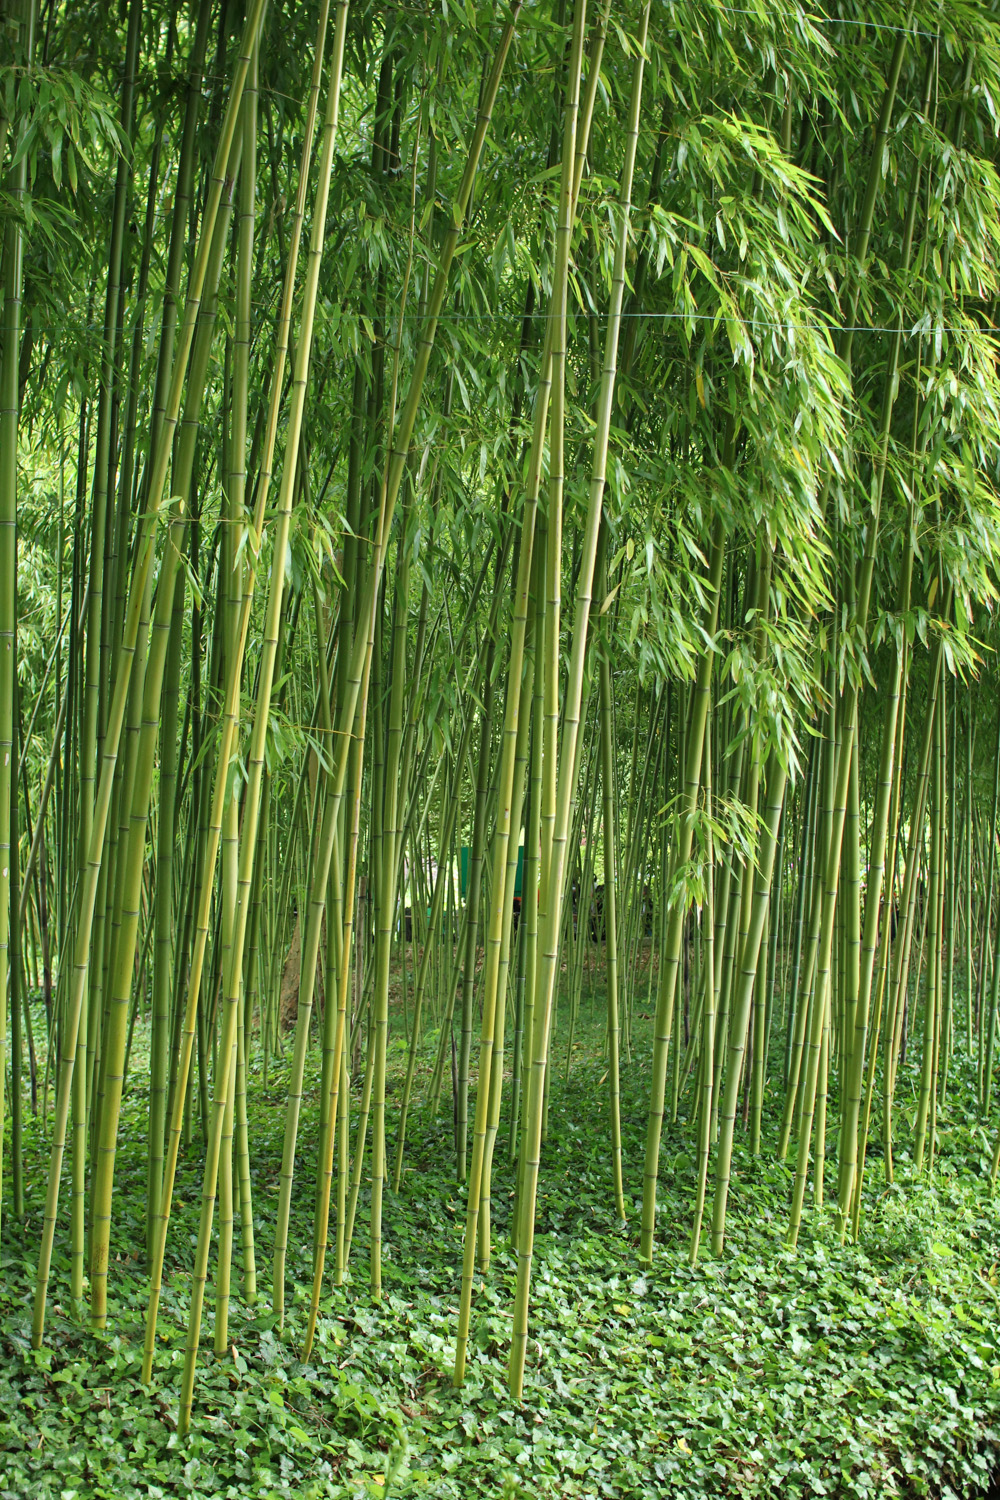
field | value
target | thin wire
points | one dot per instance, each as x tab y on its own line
790	15
750	323
913	331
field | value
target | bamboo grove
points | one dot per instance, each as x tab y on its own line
489	497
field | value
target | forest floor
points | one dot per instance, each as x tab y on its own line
865	1370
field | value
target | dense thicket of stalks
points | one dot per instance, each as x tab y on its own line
486	494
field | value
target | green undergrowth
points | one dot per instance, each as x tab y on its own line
845	1371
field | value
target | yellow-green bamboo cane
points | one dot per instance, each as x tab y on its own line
355	692
706	1061
932	991
338	1071
144	555
146	694
230	715
386	908
513	700
510	880
265	678
873	902
403	431
610	916
553	878
314	927
13	276
670	961
777	773
121	979
238	484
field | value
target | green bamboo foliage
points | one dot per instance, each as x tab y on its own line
307	773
